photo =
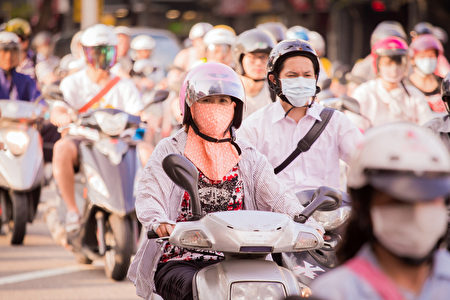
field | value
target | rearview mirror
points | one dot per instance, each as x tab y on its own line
184	174
351	104
324	199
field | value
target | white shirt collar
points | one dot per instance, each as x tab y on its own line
279	113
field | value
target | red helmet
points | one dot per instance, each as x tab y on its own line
390	46
425	42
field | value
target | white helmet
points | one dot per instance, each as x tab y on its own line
8	39
199	30
122	30
143	42
218	36
404	160
317	42
98	35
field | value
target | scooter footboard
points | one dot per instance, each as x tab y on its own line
234	278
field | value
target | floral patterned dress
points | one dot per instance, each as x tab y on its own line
215	195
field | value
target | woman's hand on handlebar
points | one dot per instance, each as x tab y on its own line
164	229
60	117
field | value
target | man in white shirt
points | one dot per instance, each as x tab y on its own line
275	130
99	45
388	98
251	53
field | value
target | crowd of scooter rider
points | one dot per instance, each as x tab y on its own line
388	139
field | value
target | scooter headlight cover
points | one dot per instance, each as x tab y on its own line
257	290
195	238
17	141
112	125
330	220
306	240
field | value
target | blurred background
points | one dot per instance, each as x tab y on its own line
345	24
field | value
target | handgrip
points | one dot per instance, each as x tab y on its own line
151	234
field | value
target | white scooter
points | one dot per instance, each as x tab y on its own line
21	166
246	238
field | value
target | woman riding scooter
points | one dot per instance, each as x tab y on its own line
232	176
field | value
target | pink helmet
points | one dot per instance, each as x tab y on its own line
425	42
390	46
210	79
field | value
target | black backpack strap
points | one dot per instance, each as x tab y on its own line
306	142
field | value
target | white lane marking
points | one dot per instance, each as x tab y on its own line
43	273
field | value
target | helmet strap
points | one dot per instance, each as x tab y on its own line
231	140
253	79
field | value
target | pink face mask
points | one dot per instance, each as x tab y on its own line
215	160
213	119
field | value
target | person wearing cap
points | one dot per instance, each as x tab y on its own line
232	176
398	182
388	98
423	53
27	58
99	47
13	84
276	129
251	53
219	43
188	57
124	62
142	47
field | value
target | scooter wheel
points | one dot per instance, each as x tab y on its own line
17	225
120	244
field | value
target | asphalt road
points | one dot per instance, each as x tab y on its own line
41	269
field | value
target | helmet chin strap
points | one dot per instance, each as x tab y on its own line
231	140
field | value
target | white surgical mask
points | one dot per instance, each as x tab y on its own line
298	90
392	73
426	65
409	230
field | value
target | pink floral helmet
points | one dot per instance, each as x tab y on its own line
211	79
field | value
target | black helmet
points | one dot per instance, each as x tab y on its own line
251	41
276	29
445	91
284	50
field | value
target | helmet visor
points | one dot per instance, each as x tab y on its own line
103	57
408	186
202	88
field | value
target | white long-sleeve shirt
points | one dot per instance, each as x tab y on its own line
381	106
276	136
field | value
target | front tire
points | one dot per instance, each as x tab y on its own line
120	244
17	225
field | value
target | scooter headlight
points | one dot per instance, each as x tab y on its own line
195	238
95	181
306	240
257	290
17	141
112	125
331	220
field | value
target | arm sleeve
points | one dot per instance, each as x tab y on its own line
248	132
154	190
349	137
132	99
